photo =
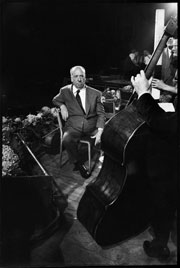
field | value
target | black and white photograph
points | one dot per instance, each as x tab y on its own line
90	144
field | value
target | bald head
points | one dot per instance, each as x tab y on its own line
78	67
78	76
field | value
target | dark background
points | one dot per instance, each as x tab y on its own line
42	40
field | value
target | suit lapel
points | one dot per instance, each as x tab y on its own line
73	98
88	99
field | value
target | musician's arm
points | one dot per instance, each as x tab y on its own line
159	120
162	86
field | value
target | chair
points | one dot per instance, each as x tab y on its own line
85	141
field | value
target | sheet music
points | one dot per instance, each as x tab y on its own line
167	106
155	93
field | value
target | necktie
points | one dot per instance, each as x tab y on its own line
78	98
172	66
171	56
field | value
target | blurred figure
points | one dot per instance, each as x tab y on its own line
131	64
144	59
147	57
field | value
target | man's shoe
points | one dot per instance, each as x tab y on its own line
83	170
152	249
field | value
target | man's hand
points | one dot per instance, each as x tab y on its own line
97	136
162	86
64	112
141	84
158	83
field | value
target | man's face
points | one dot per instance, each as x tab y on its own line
170	43
174	60
78	78
175	47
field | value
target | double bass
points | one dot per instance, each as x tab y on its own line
114	206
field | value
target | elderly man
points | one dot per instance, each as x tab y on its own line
83	113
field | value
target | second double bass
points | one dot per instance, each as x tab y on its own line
114	206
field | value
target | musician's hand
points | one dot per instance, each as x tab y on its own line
97	136
141	84
162	86
158	83
64	112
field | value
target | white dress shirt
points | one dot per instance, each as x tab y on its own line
82	95
169	52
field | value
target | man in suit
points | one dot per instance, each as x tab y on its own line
161	164
166	61
83	113
168	82
169	67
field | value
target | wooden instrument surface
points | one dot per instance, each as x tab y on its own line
114	206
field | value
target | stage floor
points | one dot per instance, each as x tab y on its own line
72	245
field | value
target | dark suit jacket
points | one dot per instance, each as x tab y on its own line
168	70
161	163
162	144
86	122
163	123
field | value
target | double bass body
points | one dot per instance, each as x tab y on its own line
114	205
